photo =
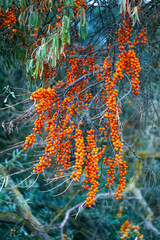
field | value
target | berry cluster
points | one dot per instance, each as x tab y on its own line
30	140
8	20
128	229
59	111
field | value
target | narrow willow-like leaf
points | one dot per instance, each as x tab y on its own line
50	4
135	16
30	67
83	32
56	45
42	53
68	37
72	3
83	17
6	182
36	70
71	13
53	42
41	70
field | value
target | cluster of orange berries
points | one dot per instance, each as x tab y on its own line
30	140
112	117
111	120
141	38
79	154
119	214
43	162
61	129
128	229
127	66
64	237
48	101
39	124
94	154
8	19
59	113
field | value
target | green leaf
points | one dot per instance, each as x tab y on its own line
41	70
83	32
68	23
71	13
6	89
36	70
20	17
72	3
68	37
13	95
83	17
6	182
86	29
36	19
4	6
57	45
50	4
53	42
30	67
43	53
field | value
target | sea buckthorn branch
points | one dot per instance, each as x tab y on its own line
61	112
42	161
126	61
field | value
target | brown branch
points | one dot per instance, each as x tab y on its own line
67	217
100	196
24	117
